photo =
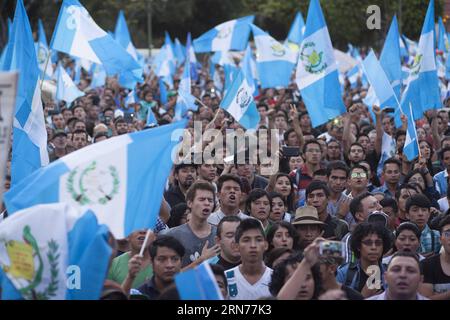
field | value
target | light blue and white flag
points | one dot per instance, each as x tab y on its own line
354	75
422	90
295	35
43	54
403	50
52	252
122	35
230	35
195	66
246	66
411	149
66	89
77	34
317	74
239	102
379	81
411	45
162	91
170	52
179	51
443	43
98	76
390	58
198	284
230	72
29	149
5	49
120	179
274	61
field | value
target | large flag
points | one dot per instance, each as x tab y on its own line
274	61
380	83
51	252
230	35
295	36
121	179
422	90
411	149
29	151
170	52
66	89
122	35
390	58
317	74
98	76
198	284
43	54
77	34
239	102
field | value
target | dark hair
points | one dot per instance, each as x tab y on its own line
254	195
290	200
246	225
399	133
228	177
355	204
408	226
392	161
274	195
418	200
274	254
414	172
366	229
337	165
389	202
287	133
444	221
291	230
280	272
357	144
404	186
200	185
358	166
443	151
169	293
317	185
226	219
167	242
314	141
218	270
176	214
119	120
320	172
405	254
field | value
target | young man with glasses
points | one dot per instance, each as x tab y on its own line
436	269
358	181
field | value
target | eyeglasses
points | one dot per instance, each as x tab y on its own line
446	233
370	243
359	175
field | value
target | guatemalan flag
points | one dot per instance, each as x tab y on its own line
66	89
52	252
239	102
29	148
390	58
77	34
120	179
274	61
317	74
42	52
230	35
122	35
411	149
422	90
198	284
295	36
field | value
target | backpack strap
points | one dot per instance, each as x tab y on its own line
351	271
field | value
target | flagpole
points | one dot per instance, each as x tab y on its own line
147	235
45	68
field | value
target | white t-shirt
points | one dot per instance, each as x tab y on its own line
240	289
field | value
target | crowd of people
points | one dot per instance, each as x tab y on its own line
261	230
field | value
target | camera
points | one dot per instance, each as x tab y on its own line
332	250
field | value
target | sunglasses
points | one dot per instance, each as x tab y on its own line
359	175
